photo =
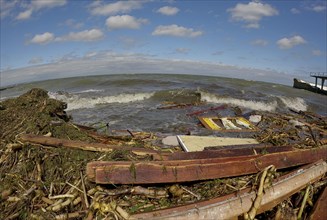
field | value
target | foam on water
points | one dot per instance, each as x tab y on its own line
76	102
294	103
90	90
254	105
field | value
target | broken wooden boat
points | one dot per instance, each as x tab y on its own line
174	171
233	205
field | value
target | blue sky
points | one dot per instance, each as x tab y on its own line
270	41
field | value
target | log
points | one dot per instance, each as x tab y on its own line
173	171
234	205
320	209
56	142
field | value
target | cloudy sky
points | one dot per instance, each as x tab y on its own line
270	41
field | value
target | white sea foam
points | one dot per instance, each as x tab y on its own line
90	90
254	105
294	103
76	102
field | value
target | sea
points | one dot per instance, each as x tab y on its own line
164	103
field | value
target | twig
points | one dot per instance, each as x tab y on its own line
192	193
69	215
64	204
30	190
75	187
304	201
265	176
84	191
62	196
130	133
230	186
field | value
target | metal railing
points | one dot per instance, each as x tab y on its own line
318	74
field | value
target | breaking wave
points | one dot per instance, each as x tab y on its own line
294	103
254	105
77	102
275	102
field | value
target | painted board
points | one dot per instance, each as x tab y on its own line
191	143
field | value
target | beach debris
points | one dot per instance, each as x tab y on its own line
228	151
227	124
56	142
319	210
43	180
220	208
174	171
170	141
169	105
221	107
255	118
191	143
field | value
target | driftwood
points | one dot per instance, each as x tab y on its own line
55	142
234	205
228	151
221	107
320	209
172	171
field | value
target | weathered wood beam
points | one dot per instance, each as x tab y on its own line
173	171
320	209
234	205
228	151
56	142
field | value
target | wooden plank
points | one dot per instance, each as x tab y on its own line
192	143
56	142
173	171
320	209
234	205
252	149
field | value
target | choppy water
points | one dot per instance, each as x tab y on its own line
131	101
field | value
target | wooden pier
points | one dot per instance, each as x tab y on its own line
319	75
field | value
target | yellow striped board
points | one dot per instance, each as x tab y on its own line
230	124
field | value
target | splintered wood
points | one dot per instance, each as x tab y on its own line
233	205
172	171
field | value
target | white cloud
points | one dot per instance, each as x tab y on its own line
295	11
287	43
124	21
6	7
167	10
251	13
36	5
176	31
260	42
43	38
319	8
115	8
86	35
24	15
317	53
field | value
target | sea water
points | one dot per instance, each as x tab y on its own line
134	101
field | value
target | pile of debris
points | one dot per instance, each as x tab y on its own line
51	168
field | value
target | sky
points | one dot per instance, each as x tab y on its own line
271	41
